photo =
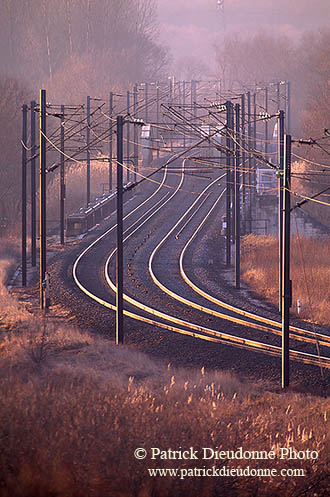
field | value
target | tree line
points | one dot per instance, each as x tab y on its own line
88	44
74	48
79	47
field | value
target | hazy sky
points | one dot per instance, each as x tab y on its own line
189	27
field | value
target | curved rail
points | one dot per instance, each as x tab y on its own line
322	339
302	333
200	332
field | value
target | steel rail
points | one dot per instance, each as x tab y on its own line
325	339
322	339
199	331
313	359
107	232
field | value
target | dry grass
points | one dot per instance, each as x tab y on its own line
71	423
300	170
310	273
77	407
11	313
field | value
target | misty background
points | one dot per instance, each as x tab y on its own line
75	48
193	27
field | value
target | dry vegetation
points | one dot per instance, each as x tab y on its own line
310	273
75	413
309	180
77	407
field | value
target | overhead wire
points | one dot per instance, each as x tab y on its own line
310	162
180	125
305	197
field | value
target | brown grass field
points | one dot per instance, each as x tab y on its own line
75	407
310	273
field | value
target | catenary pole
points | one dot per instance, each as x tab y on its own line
280	158
229	160
249	140
128	138
232	193
110	139
157	118
278	95
266	123
24	188
43	246
288	114
171	103
195	99
237	196
88	157
243	161
146	101
62	180
184	108
254	144
33	185
286	285
119	254
135	131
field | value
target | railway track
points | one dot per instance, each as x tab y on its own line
138	219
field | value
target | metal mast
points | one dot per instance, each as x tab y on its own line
221	10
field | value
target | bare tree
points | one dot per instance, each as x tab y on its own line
13	95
